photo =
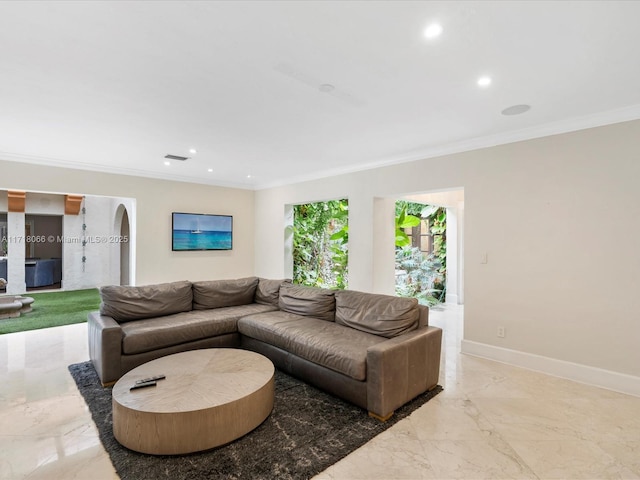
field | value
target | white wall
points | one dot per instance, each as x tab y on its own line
556	217
98	269
154	201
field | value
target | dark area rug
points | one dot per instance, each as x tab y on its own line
308	431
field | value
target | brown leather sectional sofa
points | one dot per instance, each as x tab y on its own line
376	351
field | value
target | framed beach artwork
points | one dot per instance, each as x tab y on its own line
201	231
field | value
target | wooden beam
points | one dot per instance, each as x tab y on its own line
17	200
72	204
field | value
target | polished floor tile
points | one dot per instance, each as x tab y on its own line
492	421
46	431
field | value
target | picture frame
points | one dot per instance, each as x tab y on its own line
201	231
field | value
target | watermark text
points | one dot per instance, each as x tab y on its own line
84	239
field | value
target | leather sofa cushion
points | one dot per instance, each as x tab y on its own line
268	291
155	333
224	293
125	303
377	314
308	301
333	346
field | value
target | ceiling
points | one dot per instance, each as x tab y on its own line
115	86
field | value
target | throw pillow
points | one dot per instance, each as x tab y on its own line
308	301
382	315
224	293
125	303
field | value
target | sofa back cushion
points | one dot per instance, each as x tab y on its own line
308	301
268	291
125	303
382	315
224	293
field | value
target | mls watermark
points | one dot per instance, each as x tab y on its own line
85	239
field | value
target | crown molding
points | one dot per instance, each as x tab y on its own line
548	129
131	172
573	124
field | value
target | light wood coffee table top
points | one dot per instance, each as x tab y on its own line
209	397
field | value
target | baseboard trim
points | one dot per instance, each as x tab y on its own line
598	377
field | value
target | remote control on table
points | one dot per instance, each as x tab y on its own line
150	379
144	385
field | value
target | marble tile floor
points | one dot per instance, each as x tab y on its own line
493	421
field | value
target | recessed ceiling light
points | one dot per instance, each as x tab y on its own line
484	81
209	169
432	31
249	176
193	151
167	163
516	109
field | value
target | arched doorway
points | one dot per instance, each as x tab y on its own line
125	232
122	249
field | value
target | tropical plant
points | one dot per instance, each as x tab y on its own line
437	217
416	276
403	221
320	244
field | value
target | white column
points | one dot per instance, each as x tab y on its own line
361	243
16	255
461	253
384	246
452	256
288	241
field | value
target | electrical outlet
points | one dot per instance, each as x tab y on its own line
501	332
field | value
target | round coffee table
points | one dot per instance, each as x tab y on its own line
209	398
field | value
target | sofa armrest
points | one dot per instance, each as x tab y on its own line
105	346
402	368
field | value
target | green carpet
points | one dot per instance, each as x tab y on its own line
53	309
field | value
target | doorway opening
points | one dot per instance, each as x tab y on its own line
43	252
437	239
420	256
125	233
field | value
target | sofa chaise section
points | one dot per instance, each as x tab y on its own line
332	346
376	351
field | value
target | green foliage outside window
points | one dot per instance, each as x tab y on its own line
320	248
404	220
320	244
418	274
